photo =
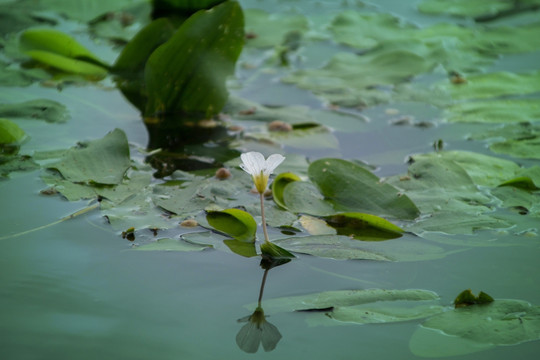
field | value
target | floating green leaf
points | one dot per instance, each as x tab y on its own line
102	161
329	246
364	226
475	328
267	30
195	84
350	79
495	111
463	8
234	222
85	10
10	132
350	187
304	197
366	31
491	85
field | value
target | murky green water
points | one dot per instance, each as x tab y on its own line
76	290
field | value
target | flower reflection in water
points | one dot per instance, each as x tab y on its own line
257	331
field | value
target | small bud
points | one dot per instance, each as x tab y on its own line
223	173
189	223
278	125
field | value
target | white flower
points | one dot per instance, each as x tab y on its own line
260	169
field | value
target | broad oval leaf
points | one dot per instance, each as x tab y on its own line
364	226
235	223
350	187
278	186
186	75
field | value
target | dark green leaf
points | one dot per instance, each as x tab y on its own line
187	74
350	187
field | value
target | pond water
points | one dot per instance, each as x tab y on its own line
78	290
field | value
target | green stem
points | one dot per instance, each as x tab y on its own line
71	216
266	238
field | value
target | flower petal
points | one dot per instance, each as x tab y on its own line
273	162
252	162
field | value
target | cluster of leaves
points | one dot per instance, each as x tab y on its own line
153	69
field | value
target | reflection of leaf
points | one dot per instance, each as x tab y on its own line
234	222
475	328
43	109
102	161
187	73
167	244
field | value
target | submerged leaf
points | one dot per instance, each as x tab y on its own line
170	245
341	298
